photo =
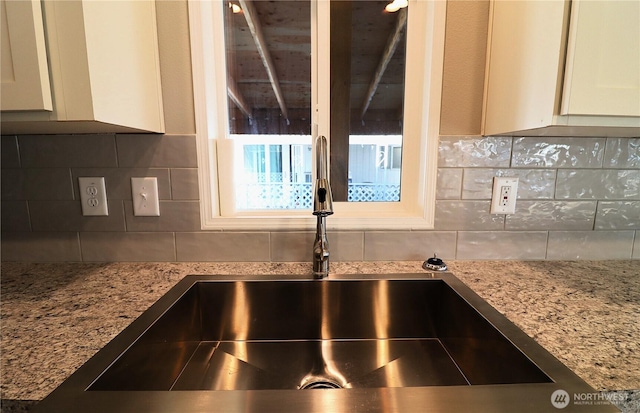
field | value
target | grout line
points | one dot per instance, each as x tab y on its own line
29	216
115	145
79	239
175	247
546	248
19	152
74	197
511	153
124	215
364	245
555	184
455	245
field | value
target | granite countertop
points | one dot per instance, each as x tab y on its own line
56	316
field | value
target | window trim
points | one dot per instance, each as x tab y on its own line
417	206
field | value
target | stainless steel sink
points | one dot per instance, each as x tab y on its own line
214	344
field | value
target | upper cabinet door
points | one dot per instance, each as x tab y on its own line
104	67
563	68
603	59
524	64
25	73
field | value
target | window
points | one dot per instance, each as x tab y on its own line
255	129
275	173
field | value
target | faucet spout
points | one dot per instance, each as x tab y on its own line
322	207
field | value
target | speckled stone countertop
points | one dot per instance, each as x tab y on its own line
56	316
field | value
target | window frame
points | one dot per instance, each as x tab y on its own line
416	209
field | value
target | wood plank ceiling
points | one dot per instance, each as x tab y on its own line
269	66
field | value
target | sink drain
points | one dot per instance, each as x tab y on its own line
321	384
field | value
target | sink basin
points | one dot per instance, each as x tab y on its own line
214	344
251	335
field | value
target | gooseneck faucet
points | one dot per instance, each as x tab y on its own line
322	207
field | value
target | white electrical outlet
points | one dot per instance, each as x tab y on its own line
144	192
93	196
505	191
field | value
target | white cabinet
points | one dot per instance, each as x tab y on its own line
603	59
25	73
104	70
563	68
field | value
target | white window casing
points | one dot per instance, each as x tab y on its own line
423	80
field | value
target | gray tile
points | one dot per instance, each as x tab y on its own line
558	152
590	245
501	245
174	151
473	151
292	246
556	215
15	216
13	184
127	246
222	246
67	151
298	246
40	246
636	247
184	184
118	180
618	215
67	216
9	154
449	183
37	184
346	245
622	153
466	215
174	216
53	184
408	245
598	184
532	183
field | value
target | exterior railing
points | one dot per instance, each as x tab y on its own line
278	195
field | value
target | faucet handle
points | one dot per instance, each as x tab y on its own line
322	195
322	200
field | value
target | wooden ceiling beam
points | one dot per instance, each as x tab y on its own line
389	50
236	97
255	27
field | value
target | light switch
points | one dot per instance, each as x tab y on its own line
144	192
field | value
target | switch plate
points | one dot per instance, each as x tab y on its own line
144	192
505	190
93	196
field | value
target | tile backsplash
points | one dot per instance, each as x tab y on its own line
578	198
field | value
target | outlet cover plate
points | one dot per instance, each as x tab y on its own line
505	191
93	196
